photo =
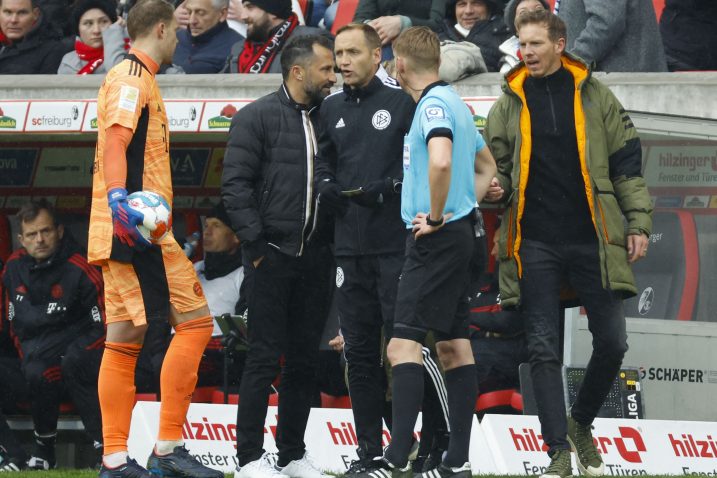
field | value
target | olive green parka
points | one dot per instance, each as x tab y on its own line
611	164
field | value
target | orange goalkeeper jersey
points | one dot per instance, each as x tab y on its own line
129	97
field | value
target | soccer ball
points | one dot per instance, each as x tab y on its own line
157	214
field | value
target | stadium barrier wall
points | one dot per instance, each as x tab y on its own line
500	444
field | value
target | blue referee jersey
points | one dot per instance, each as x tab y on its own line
440	112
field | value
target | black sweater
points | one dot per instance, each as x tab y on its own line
556	209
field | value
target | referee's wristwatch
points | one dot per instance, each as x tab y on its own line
437	223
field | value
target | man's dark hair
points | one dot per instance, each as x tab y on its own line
146	14
299	50
372	39
30	210
554	24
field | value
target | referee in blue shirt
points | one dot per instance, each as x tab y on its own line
447	168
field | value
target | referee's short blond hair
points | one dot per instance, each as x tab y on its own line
420	47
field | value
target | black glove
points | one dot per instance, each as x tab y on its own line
331	199
375	192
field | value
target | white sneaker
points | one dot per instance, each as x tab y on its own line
261	468
303	468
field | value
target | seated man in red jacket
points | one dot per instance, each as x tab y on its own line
56	312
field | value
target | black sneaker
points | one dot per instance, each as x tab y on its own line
365	468
11	463
131	469
429	461
384	469
443	471
381	468
43	454
179	464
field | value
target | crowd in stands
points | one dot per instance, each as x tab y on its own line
242	36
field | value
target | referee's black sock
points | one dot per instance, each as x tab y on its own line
407	390
462	387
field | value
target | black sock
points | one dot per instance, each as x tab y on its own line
45	447
462	386
407	397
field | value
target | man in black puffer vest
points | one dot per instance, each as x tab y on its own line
267	188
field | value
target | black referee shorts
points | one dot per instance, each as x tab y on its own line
434	286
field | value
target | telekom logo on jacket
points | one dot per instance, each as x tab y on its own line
629	444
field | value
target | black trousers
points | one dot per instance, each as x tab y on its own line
51	377
288	305
497	361
545	267
13	390
366	289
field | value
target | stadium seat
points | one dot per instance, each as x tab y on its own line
218	397
667	279
499	401
659	6
490	223
203	394
344	14
145	397
306	7
332	401
516	401
184	224
5	238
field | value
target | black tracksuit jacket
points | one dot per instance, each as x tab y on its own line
361	141
51	303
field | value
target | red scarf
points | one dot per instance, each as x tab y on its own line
93	56
258	60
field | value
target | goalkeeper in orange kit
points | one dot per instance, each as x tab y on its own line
143	281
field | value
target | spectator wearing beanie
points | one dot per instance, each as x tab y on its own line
207	40
220	272
269	25
479	22
510	48
101	42
29	44
618	35
222	278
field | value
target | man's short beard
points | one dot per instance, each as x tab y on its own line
316	95
260	32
